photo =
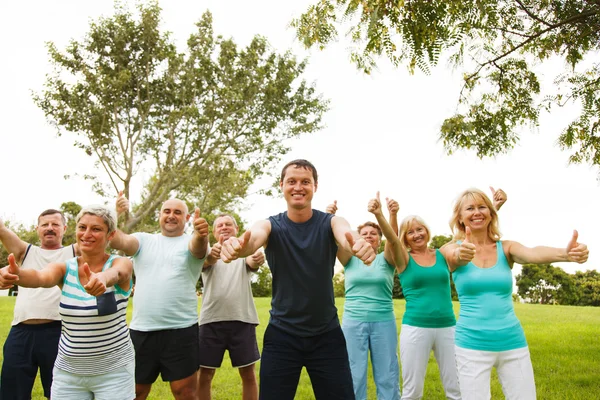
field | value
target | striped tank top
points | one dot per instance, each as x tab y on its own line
94	338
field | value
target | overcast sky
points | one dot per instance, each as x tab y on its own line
381	132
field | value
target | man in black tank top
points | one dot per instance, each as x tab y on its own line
304	330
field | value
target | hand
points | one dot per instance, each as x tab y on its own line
392	205
200	224
96	284
361	249
215	250
466	250
258	258
9	275
233	246
374	206
332	208
498	197
122	204
577	252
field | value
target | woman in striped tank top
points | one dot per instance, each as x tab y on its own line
95	355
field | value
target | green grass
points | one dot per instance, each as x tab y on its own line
564	344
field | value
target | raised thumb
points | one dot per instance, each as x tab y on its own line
246	238
468	235
350	239
13	268
573	241
87	271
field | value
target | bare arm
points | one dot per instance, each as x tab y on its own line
253	239
348	241
11	242
199	244
49	276
458	255
124	242
574	252
394	252
254	261
342	254
393	208
119	273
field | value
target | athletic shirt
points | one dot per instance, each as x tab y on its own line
301	258
427	294
91	344
487	319
40	303
228	293
369	290
166	274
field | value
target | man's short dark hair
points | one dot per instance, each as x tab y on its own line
300	163
52	211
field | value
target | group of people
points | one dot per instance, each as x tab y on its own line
75	329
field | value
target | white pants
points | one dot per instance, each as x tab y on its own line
415	346
514	368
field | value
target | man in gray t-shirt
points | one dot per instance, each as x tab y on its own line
228	317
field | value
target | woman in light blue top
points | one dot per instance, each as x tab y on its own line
488	333
369	323
95	355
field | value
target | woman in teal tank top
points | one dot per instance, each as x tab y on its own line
488	333
369	323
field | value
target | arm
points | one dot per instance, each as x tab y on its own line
124	242
347	240
458	255
12	242
394	252
393	208
119	273
342	255
574	252
498	197
214	255
199	244
253	239
49	276
254	261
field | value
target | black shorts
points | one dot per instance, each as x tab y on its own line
236	336
172	353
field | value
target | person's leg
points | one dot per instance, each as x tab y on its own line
326	360
415	346
115	385
205	377
474	372
384	358
68	386
515	374
147	347
179	361
18	370
249	385
443	349
357	344
45	350
280	366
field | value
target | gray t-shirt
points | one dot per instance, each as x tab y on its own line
227	293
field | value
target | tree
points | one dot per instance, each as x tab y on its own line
339	287
262	286
206	123
588	285
546	284
70	209
499	43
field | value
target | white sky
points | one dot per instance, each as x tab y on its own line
381	133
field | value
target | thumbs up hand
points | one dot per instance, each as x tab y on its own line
9	275
577	252
466	250
215	250
361	249
332	208
200	224
122	203
233	247
374	206
392	205
498	197
96	282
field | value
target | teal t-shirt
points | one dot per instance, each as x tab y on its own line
427	294
487	319
369	290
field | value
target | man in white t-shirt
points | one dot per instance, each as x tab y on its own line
32	342
164	327
228	317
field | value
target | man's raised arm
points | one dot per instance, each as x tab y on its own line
11	242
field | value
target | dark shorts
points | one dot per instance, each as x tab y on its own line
239	338
27	348
172	353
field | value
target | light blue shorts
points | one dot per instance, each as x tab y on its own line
115	385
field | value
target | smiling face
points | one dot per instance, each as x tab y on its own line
298	187
92	233
173	216
371	235
417	236
475	213
224	227
475	210
51	229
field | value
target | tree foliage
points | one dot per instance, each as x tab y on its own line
262	286
499	44
546	284
204	123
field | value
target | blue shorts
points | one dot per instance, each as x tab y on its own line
115	385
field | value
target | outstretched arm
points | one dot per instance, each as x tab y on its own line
346	239
343	255
394	252
574	252
49	276
393	208
246	245
11	242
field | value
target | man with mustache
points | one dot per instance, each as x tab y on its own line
32	342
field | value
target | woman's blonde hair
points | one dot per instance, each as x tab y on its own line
458	227
405	224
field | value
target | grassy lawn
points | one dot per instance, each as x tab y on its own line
564	343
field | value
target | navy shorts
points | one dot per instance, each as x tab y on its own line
172	353
239	338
